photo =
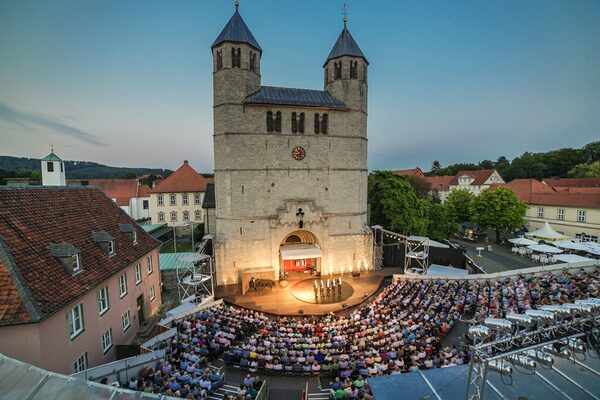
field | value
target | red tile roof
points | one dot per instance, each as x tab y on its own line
441	183
185	179
532	191
412	171
122	190
524	188
571	182
480	176
143	190
33	217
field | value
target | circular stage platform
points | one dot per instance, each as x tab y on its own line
304	290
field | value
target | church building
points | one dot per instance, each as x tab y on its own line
290	164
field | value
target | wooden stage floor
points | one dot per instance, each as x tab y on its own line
281	301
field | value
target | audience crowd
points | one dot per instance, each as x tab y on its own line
400	331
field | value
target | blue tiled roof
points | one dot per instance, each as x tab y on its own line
345	46
237	31
294	97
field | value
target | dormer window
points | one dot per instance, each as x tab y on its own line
106	241
130	231
68	256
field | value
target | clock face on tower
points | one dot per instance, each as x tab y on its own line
298	153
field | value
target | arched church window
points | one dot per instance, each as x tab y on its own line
252	61
365	73
325	123
353	69
338	69
236	57
220	59
278	121
301	123
293	239
294	123
317	124
269	121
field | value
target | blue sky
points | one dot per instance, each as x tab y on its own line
129	83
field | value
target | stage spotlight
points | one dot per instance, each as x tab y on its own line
522	361
593	300
500	366
479	331
558	349
594	306
540	357
580	308
523	320
541	316
498	324
558	310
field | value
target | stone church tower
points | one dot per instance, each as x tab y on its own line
290	164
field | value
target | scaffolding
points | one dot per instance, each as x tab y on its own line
416	251
195	277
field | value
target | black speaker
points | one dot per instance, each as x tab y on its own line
355	274
301	312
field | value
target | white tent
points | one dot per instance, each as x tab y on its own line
571	245
571	258
547	233
544	248
592	247
521	241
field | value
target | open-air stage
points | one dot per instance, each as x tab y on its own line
296	296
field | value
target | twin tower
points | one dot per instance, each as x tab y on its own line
290	164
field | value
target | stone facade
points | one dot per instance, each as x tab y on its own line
260	187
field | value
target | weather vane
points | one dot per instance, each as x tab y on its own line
345	8
237	4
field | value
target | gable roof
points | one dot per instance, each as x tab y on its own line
345	45
236	31
33	283
525	188
51	157
531	191
122	190
572	182
411	171
184	179
294	97
441	183
479	176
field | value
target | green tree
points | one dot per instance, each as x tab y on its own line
585	170
591	152
435	167
500	209
486	164
421	187
395	205
528	165
461	205
440	224
129	175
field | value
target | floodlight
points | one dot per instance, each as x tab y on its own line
479	331
498	324
558	310
523	320
563	352
577	345
580	308
540	315
522	361
500	366
595	306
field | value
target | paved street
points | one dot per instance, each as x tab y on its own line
498	260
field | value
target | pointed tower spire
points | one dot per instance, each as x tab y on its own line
345	45
345	13
236	31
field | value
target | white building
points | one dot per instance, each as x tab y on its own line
53	171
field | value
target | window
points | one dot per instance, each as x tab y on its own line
149	264
252	61
50	166
81	364
219	59
365	73
196	198
353	69
301	123
106	340
338	70
269	121
540	212
560	214
294	123
236	57
145	204
185	199
62	167
134	233
197	215
75	320
161	217
111	247
325	123
160	200
173	200
126	320
173	216
278	121
186	216
122	285
586	238
138	273
152	293
75	263
103	304
581	215
317	124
